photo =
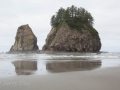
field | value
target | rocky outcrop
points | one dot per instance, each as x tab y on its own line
25	40
67	39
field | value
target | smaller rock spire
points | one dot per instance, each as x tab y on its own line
25	40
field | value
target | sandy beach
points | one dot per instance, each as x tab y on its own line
99	79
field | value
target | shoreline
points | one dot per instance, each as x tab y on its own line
50	52
99	79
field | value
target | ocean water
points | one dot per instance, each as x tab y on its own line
40	64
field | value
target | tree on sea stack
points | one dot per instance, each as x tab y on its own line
72	31
72	15
25	40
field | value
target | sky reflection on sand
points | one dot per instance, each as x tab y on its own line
40	64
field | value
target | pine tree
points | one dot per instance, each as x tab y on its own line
53	20
72	15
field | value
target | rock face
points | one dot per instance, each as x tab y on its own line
25	40
72	40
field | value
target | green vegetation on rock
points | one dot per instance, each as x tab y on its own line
76	18
92	31
61	24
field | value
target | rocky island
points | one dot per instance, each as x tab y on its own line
72	31
25	40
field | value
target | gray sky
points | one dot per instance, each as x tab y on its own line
37	14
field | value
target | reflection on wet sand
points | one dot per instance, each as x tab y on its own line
25	67
72	66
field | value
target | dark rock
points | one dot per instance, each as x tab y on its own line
72	40
25	40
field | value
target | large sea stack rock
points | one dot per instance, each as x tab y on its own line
25	40
66	38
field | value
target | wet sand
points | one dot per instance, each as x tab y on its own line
99	79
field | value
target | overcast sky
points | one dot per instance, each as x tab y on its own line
37	14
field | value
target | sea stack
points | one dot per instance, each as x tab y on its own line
72	31
72	40
25	40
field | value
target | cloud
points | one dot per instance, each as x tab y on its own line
37	14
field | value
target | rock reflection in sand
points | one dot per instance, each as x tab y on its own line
25	67
54	66
72	66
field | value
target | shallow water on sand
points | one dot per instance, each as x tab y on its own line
39	64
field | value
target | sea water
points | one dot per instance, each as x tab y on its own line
40	64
